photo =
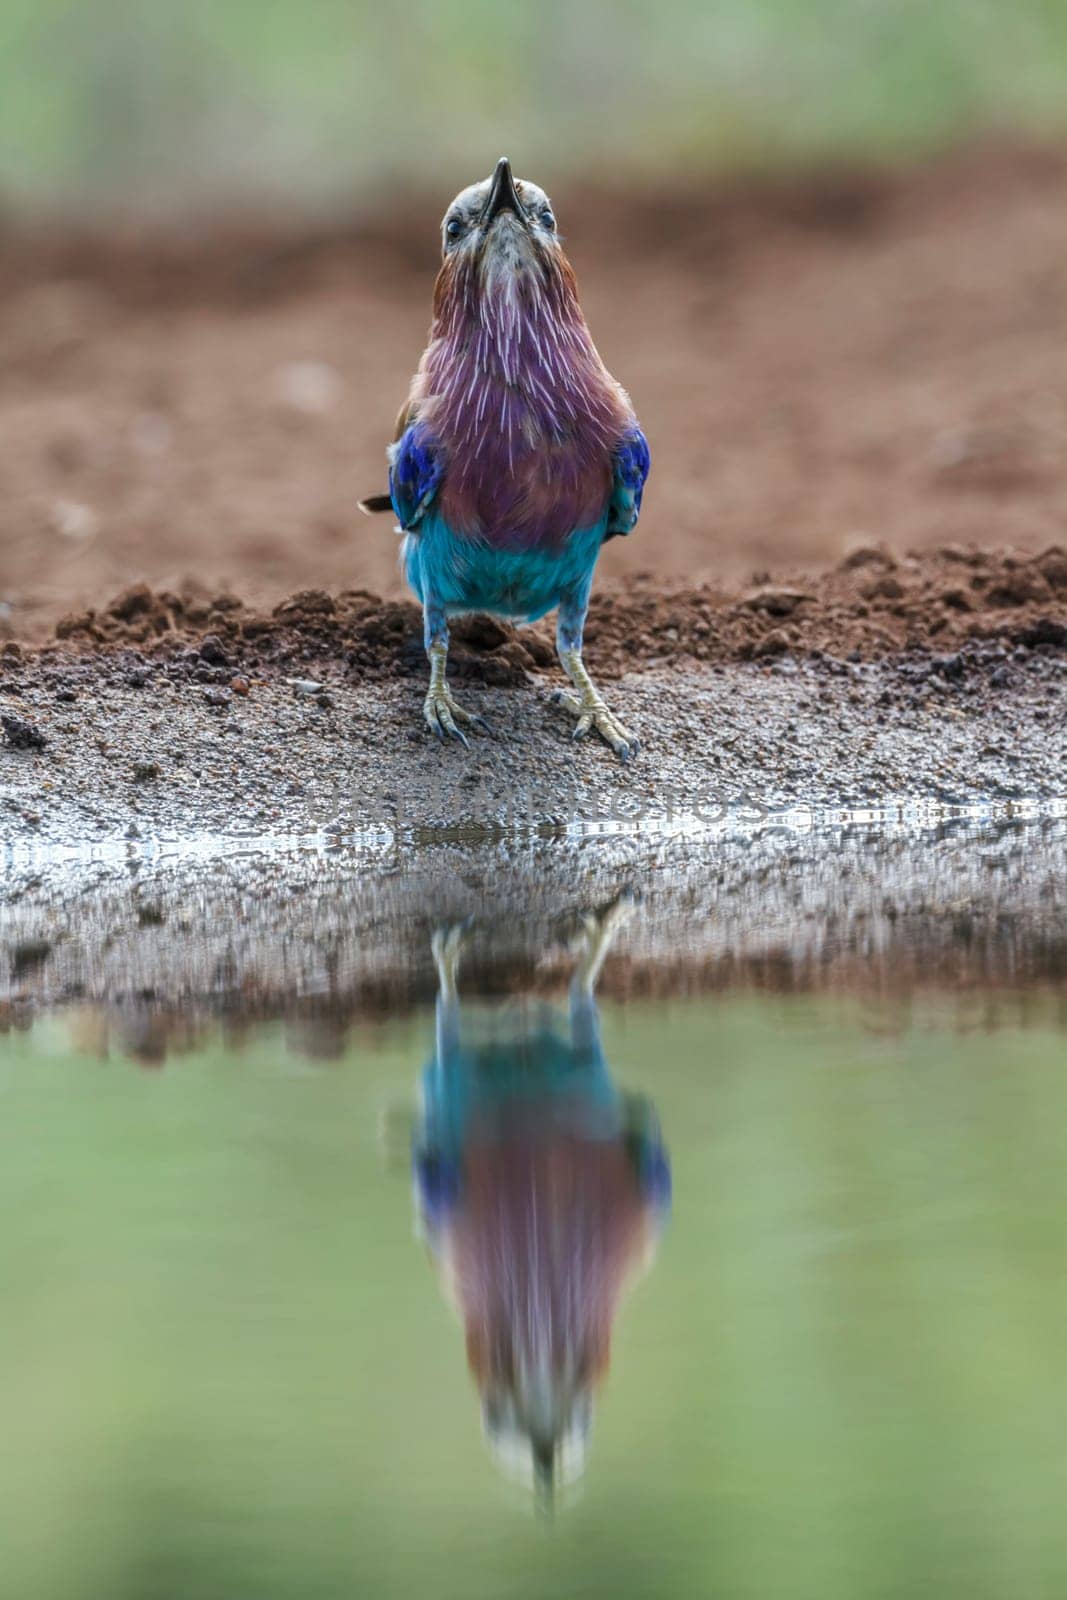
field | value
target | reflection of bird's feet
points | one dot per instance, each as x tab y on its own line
447	946
598	929
446	716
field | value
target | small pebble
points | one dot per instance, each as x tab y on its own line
20	734
213	650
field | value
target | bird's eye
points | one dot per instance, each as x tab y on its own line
548	220
454	227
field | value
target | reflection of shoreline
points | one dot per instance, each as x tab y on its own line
328	1030
324	943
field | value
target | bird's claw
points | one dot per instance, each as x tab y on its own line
597	928
596	933
444	716
447	941
447	946
594	714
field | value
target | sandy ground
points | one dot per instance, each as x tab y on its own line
95	747
820	363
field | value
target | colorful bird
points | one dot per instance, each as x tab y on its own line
542	1189
517	453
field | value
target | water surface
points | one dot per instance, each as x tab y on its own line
607	1267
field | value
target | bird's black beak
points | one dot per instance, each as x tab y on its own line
502	194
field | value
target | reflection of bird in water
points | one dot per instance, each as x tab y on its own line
541	1188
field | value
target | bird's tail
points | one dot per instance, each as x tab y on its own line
373	503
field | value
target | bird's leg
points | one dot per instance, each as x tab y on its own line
442	713
447	946
591	944
588	703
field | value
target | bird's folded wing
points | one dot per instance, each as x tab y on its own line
629	471
416	467
373	503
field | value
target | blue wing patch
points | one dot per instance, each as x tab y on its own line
631	465
437	1182
415	473
654	1175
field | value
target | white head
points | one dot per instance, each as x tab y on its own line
502	222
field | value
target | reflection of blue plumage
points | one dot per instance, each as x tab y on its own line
489	1073
479	1087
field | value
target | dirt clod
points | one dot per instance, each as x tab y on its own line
214	651
778	602
21	734
863	609
136	601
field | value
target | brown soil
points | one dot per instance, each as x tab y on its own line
954	600
818	366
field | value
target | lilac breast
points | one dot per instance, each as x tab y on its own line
527	414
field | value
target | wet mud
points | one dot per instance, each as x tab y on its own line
126	744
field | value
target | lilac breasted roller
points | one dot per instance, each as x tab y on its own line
517	454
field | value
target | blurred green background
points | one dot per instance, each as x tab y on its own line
151	106
227	1369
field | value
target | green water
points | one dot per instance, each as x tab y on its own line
227	1366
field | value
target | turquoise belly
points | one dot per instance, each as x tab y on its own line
468	575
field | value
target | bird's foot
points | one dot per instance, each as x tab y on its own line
592	712
444	715
447	946
598	928
596	933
